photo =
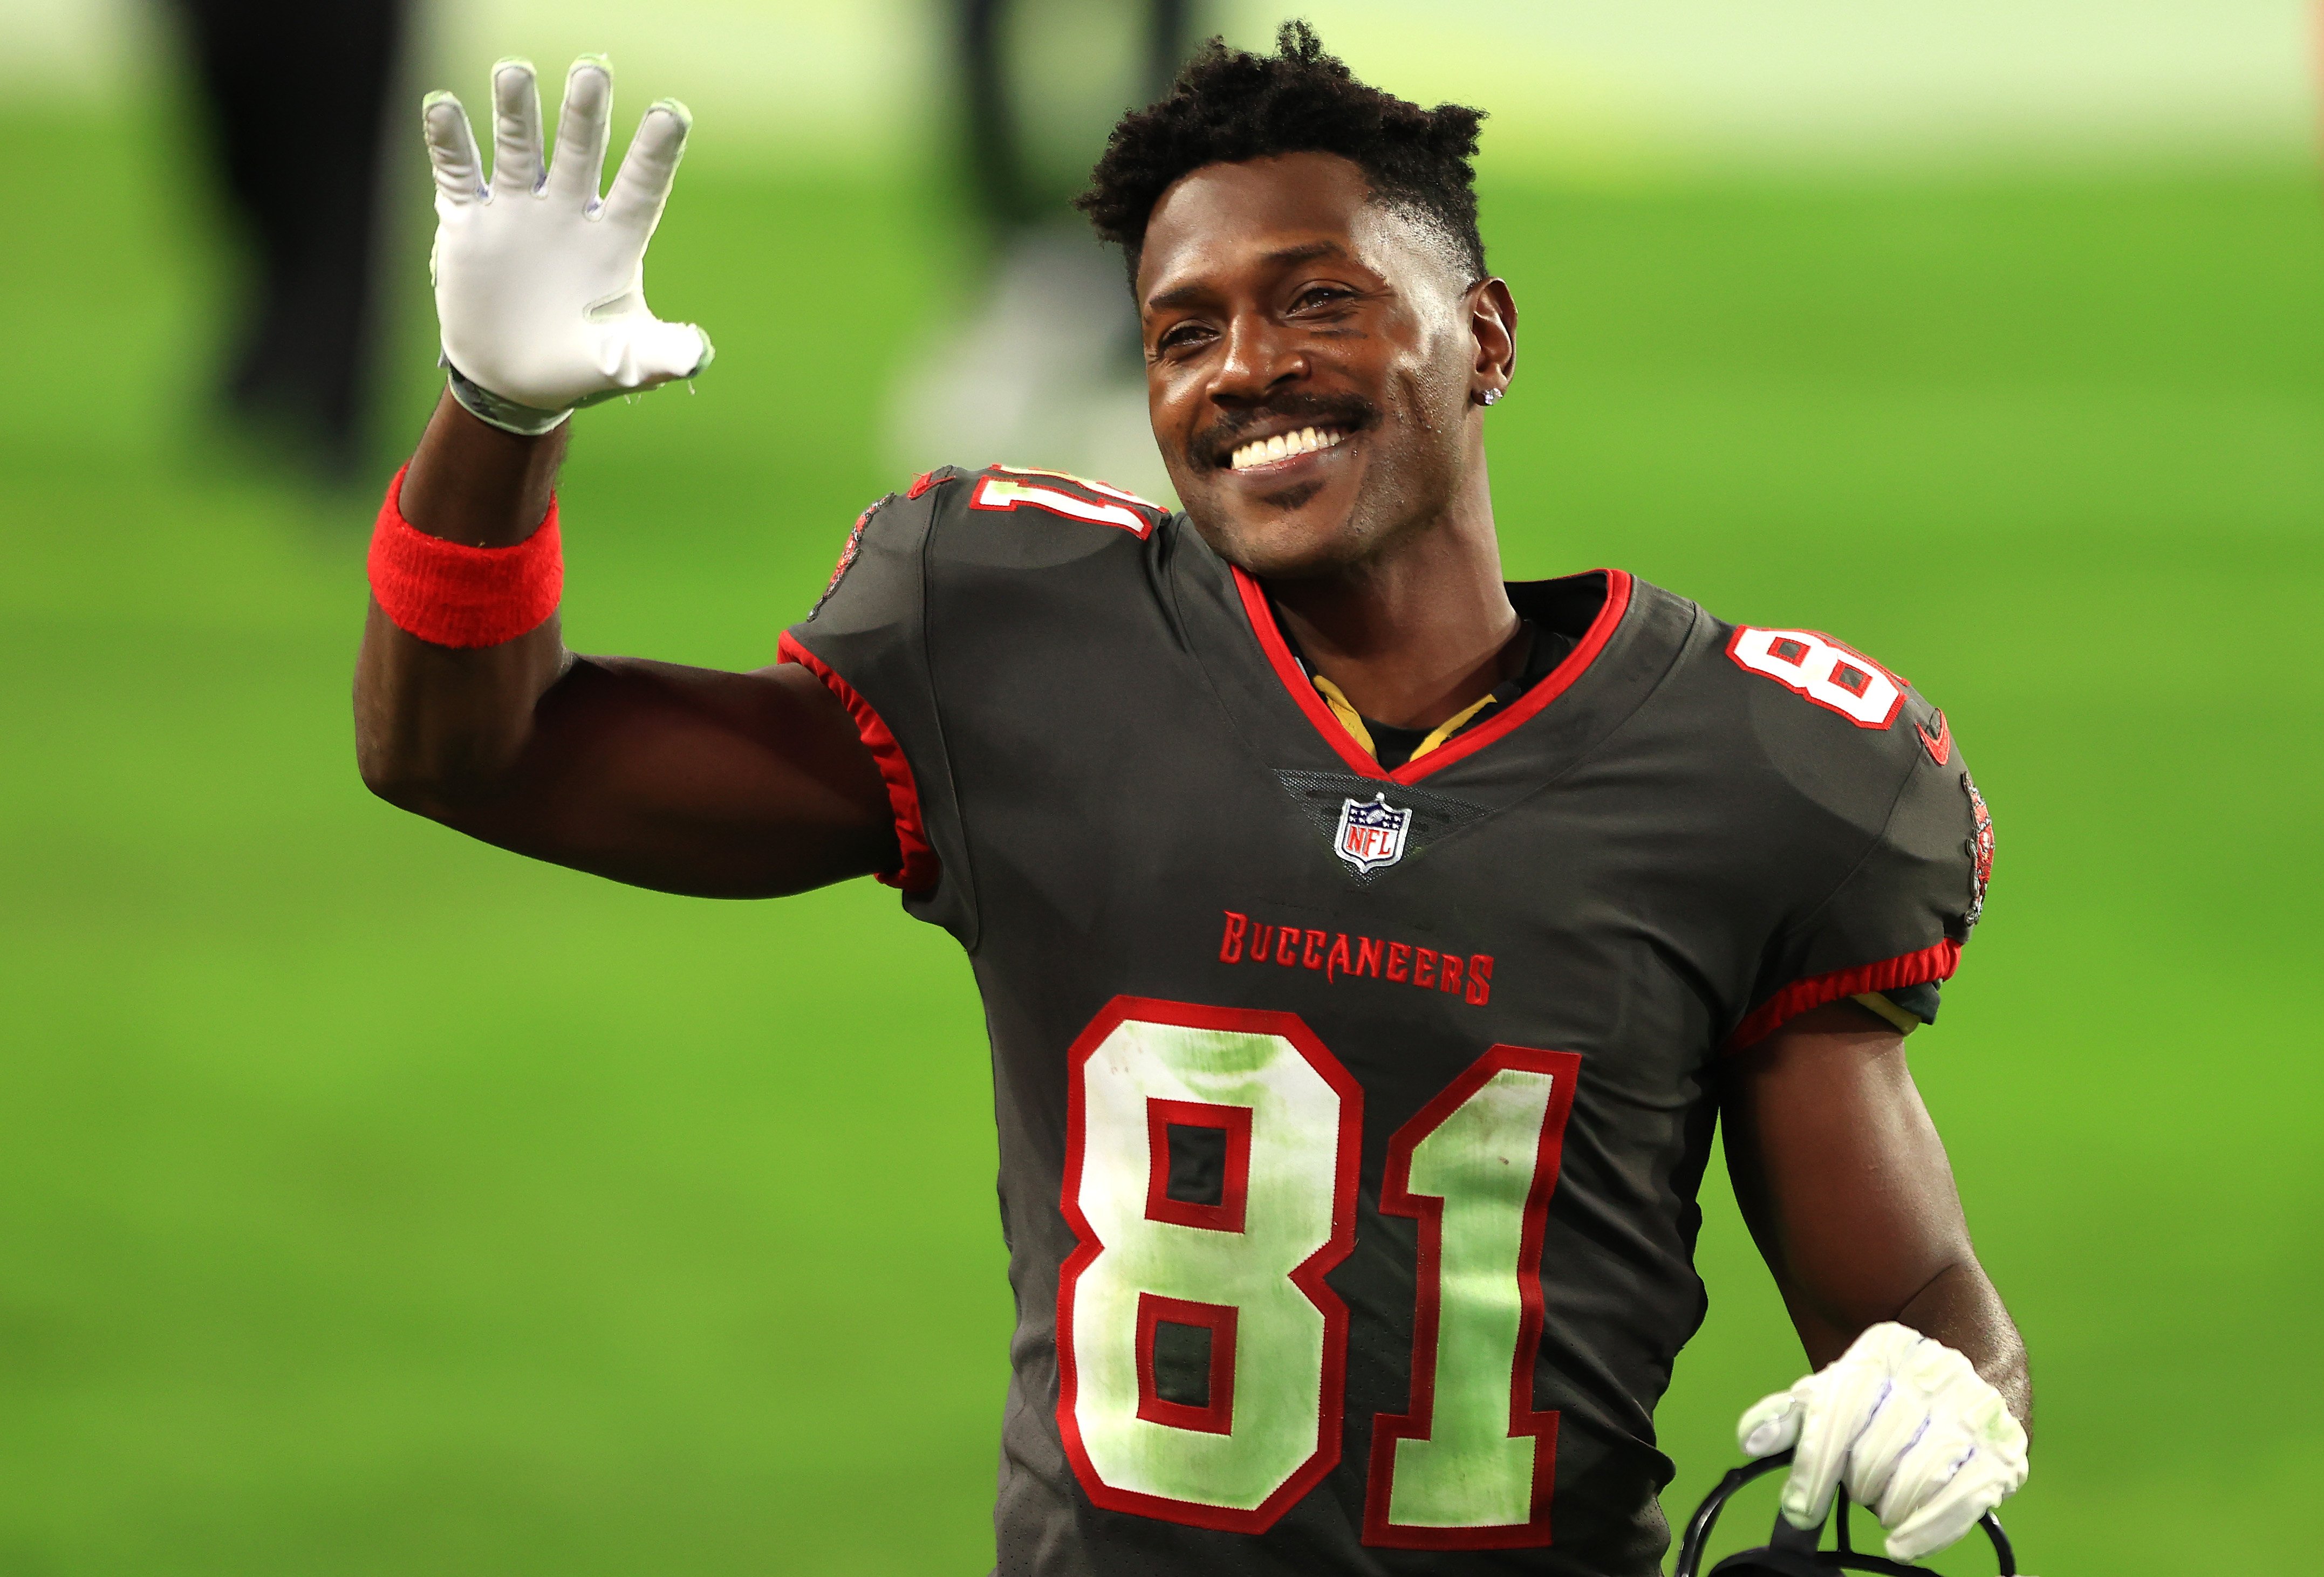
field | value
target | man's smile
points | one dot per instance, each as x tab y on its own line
1276	451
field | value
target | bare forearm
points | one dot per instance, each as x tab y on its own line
1847	1188
1961	1309
432	721
1958	1306
472	484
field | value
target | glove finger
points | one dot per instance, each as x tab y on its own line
642	185
516	129
1889	1438
1996	1429
583	125
1770	1424
1815	1469
1950	1513
451	149
1842	1400
1935	1461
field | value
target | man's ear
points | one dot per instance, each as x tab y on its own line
1493	319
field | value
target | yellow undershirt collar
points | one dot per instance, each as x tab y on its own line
1353	722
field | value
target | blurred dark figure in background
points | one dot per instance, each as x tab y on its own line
295	97
1045	368
1012	195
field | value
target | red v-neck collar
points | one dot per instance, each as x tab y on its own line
1460	746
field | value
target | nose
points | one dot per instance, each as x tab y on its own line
1257	360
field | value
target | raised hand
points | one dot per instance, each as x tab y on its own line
539	284
1905	1422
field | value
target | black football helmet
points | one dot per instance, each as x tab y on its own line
1790	1551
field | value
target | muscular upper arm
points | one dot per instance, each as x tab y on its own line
724	785
1841	1174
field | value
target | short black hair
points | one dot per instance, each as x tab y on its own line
1229	104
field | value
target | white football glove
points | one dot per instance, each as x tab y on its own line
539	286
1906	1424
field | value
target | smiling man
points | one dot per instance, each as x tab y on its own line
1370	946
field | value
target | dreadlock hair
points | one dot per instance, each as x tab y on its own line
1229	104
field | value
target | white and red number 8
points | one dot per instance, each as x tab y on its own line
1471	1465
1254	1274
1836	678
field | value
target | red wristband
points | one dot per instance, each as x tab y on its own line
450	594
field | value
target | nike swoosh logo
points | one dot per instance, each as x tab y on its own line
1939	746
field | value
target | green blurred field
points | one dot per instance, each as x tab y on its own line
374	1202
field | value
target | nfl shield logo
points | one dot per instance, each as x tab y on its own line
1371	833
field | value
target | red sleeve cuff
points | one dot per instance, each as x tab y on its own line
1937	963
917	870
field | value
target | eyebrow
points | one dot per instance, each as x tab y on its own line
1287	258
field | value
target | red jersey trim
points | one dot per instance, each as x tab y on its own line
1460	746
1937	963
918	870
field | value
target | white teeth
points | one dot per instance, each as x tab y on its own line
1261	451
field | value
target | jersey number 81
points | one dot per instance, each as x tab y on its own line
1471	1465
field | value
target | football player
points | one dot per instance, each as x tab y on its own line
1369	946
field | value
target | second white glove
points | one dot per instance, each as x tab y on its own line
1908	1426
541	286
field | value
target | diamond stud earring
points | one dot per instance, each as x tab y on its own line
1489	397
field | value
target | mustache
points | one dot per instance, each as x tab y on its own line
1215	442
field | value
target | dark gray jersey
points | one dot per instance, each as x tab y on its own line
1350	1120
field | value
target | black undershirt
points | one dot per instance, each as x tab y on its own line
1544	650
1551	624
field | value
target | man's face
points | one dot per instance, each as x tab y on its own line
1311	359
